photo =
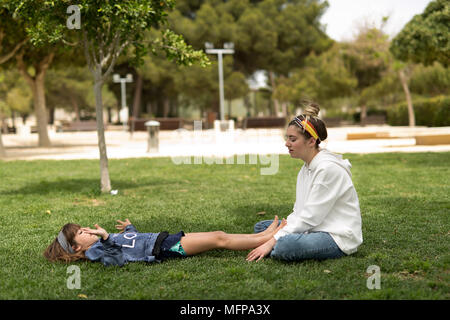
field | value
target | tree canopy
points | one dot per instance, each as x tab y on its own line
107	30
425	38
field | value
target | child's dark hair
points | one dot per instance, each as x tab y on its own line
55	252
310	114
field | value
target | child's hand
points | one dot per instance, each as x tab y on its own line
122	225
99	231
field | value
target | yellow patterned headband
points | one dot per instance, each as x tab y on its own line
306	125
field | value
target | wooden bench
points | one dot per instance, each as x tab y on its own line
12	130
432	139
90	125
164	123
375	119
264	122
332	122
368	135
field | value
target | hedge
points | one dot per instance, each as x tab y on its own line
430	112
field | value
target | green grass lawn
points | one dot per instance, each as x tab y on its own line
405	210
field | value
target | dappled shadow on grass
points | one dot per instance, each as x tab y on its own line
79	185
263	211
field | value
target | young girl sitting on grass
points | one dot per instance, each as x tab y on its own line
326	219
75	242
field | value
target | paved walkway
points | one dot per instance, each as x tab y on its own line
120	144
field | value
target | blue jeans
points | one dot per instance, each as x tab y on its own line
301	246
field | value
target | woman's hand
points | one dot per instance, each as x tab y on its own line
122	225
99	231
262	251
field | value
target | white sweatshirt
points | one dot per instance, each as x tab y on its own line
326	200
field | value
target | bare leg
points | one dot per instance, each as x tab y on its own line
269	230
194	243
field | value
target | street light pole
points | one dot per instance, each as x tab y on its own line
123	81
228	49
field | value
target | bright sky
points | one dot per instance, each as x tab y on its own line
344	16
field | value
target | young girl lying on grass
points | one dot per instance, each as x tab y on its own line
75	242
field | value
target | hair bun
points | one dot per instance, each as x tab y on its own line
312	110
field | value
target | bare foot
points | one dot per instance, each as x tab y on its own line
282	225
272	227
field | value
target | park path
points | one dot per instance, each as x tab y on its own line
120	144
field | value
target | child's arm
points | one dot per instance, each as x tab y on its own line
111	253
125	226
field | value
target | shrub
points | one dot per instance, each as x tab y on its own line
430	112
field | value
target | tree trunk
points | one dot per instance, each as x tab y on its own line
105	182
96	66
412	118
51	116
40	110
247	105
176	108
76	108
276	104
284	108
13	118
136	101
119	121
109	115
2	149
363	115
37	85
149	109
166	107
3	125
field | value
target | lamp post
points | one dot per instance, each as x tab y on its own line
123	81
228	48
